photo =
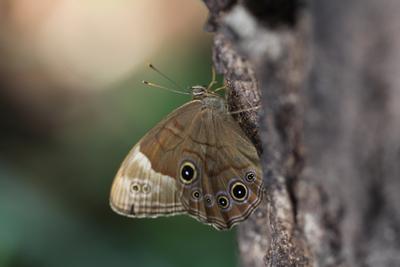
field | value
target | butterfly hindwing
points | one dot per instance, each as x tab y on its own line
221	167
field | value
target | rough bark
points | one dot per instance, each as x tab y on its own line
327	76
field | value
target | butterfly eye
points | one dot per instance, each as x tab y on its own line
239	191
223	201
250	176
188	172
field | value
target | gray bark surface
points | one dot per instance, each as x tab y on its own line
327	75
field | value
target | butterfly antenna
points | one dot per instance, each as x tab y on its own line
213	79
151	66
165	88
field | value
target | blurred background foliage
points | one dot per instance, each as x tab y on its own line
71	106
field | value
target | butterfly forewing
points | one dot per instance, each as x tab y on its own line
145	185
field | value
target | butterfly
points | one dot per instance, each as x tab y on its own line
197	161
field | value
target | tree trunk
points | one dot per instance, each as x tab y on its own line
327	75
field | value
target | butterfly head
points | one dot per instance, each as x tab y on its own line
209	98
201	92
198	91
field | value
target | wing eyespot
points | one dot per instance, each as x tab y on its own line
187	172
139	187
250	176
239	191
223	202
135	187
146	188
209	200
196	195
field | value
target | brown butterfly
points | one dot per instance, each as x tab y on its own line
196	161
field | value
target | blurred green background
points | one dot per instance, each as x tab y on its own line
72	105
